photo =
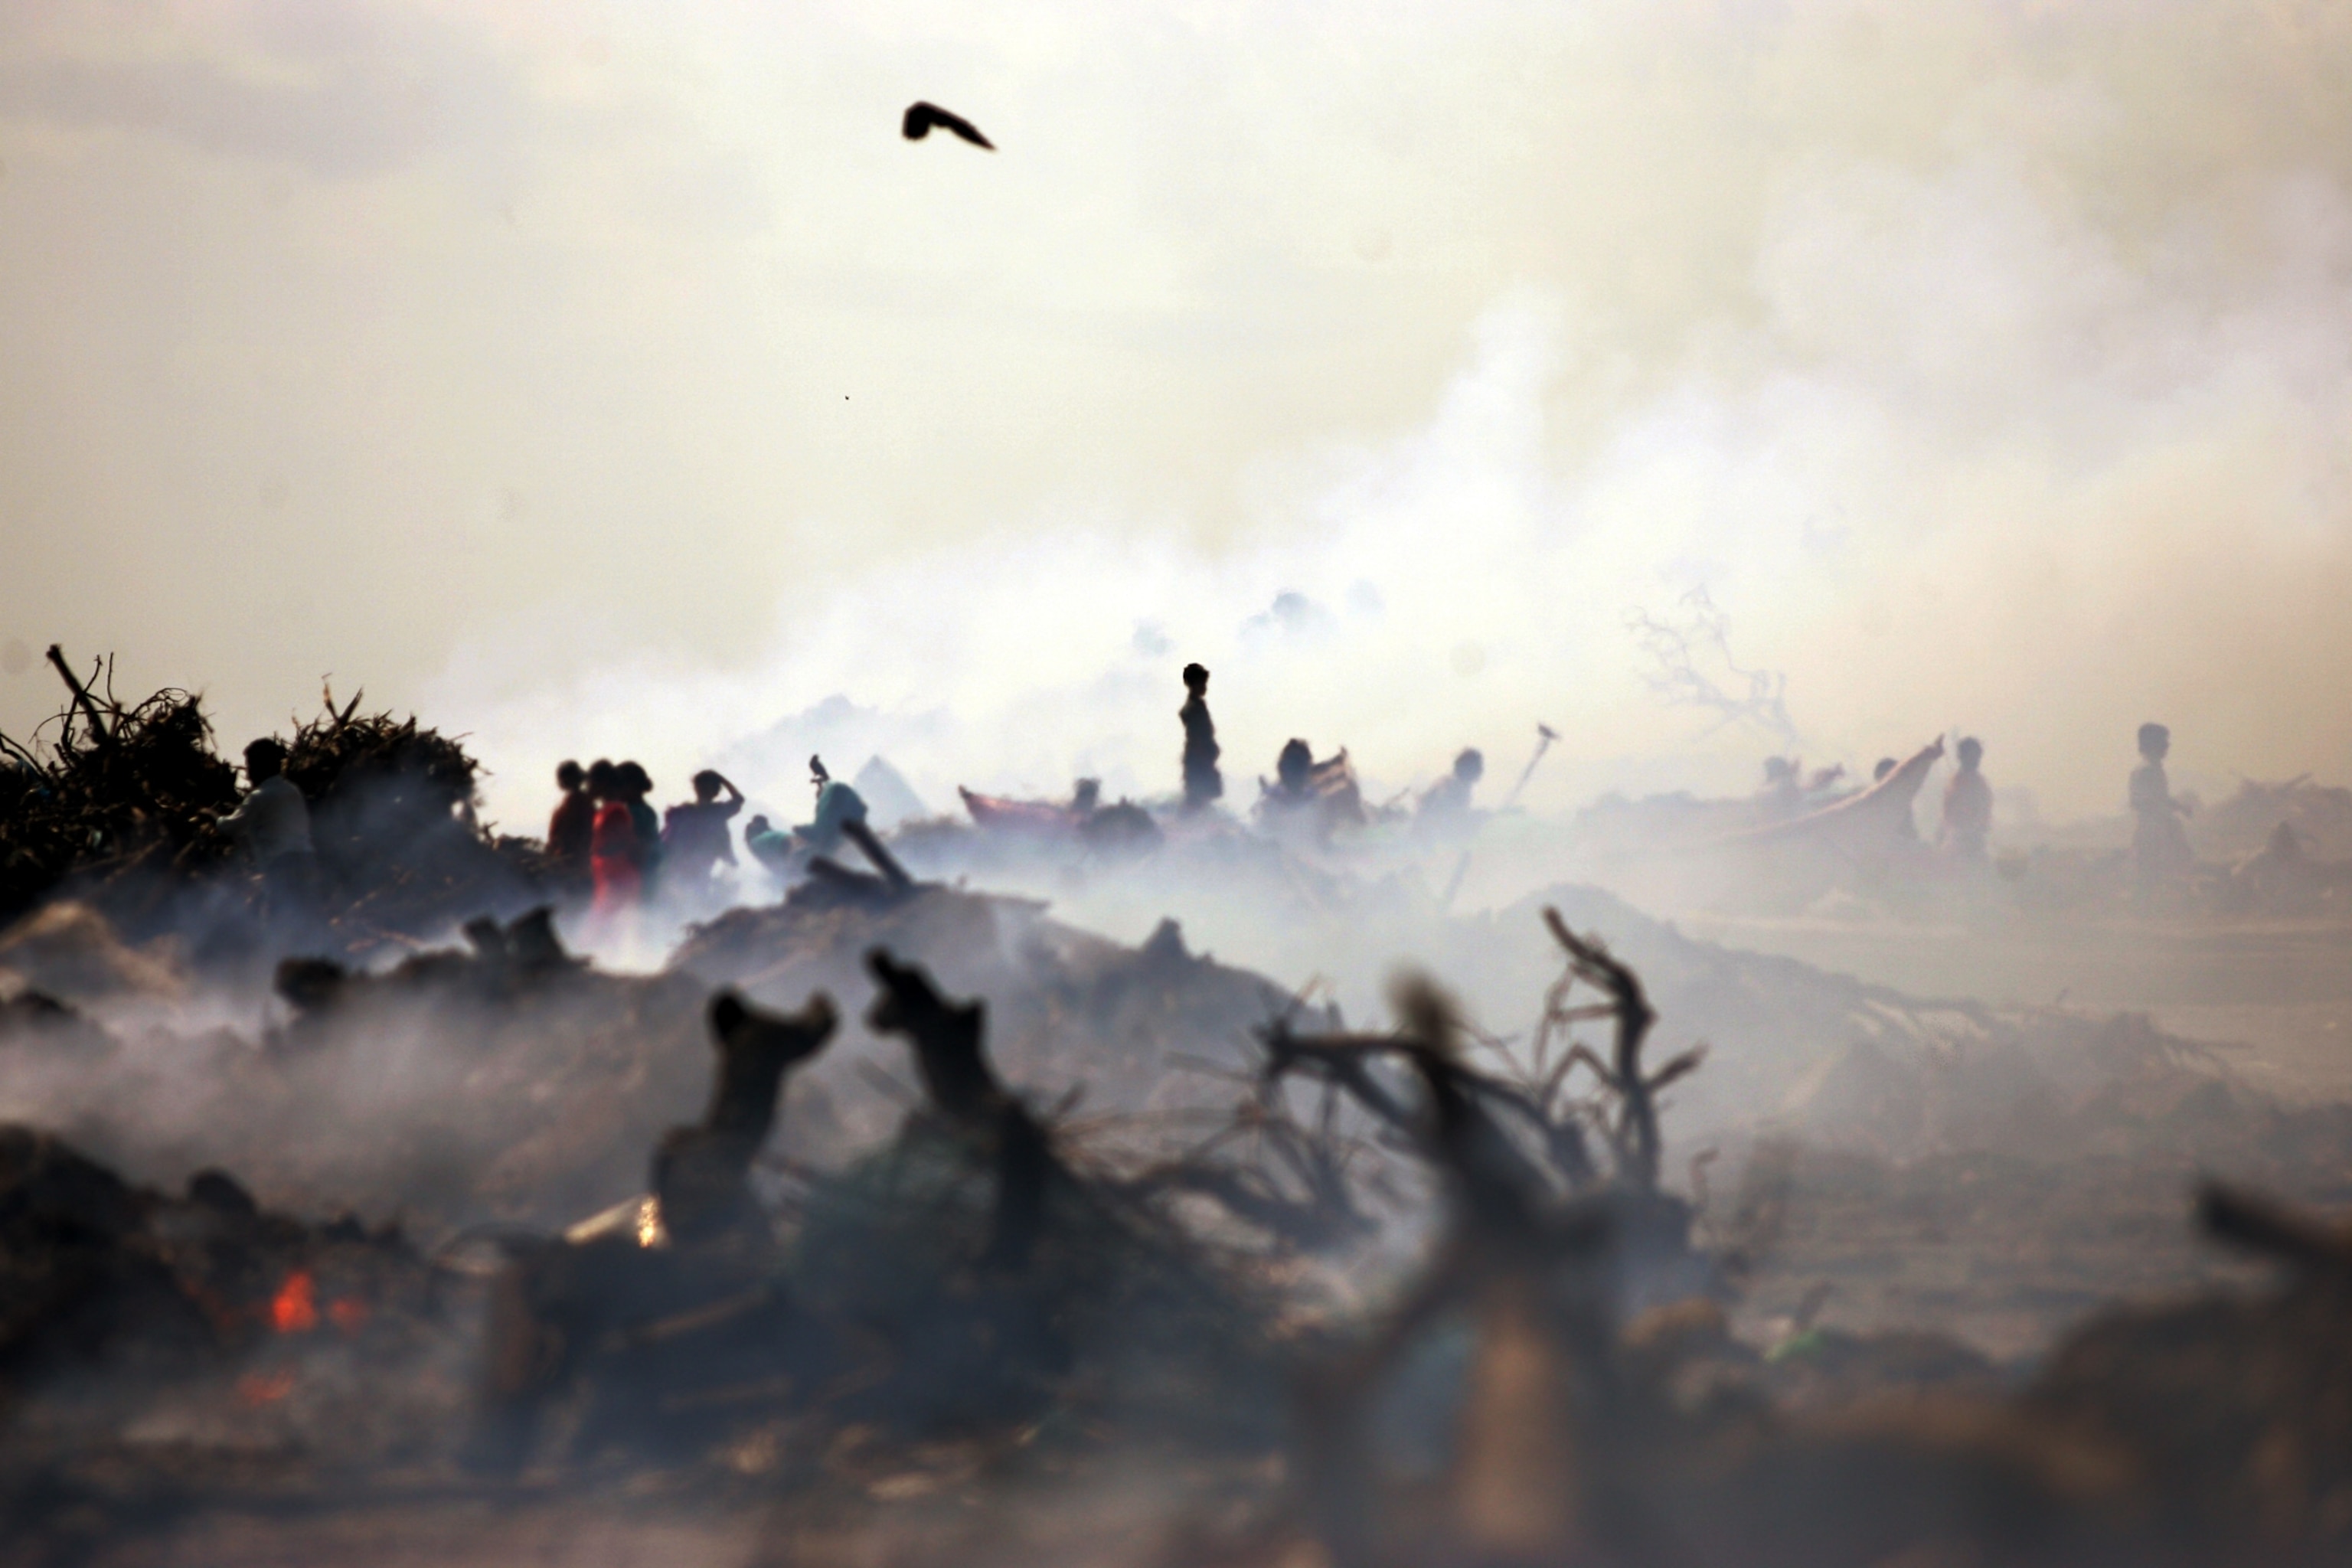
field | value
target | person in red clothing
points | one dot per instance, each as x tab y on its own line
571	832
616	857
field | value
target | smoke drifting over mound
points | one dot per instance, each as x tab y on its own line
1985	366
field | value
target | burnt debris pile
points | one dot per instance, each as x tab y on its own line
392	821
1147	1030
117	789
152	1343
1418	1295
920	1227
128	807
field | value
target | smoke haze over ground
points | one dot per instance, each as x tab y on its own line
607	383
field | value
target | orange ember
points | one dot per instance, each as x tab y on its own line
295	1309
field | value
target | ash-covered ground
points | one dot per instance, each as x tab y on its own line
1103	1181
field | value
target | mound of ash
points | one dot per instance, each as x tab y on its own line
121	808
2235	1411
1842	1063
1985	1172
153	1346
2318	818
974	1341
505	1079
1143	1032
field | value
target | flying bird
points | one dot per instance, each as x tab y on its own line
921	117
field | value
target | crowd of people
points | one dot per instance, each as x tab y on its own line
610	848
622	854
607	842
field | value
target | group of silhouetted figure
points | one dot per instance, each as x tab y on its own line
606	841
2159	850
1311	797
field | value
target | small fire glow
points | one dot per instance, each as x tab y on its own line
295	1309
348	1314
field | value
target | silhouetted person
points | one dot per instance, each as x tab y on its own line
695	839
1202	783
1445	811
2160	844
836	804
1968	806
571	831
636	784
616	857
1294	775
1902	819
273	824
1305	793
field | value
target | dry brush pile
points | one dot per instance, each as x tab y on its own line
119	804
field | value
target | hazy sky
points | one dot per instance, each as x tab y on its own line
613	378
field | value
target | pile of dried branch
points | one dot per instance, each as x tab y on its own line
417	771
392	819
105	786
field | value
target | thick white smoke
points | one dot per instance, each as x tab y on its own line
1973	463
1986	365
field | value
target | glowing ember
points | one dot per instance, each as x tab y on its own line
649	1223
295	1309
258	1388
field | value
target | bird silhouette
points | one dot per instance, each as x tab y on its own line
922	117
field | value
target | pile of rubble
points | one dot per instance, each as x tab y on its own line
119	807
973	1306
122	790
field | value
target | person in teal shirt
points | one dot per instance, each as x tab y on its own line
836	804
771	846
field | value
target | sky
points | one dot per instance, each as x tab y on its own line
603	379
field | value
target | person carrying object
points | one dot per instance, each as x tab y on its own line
1446	812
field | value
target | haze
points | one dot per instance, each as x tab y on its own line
604	379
